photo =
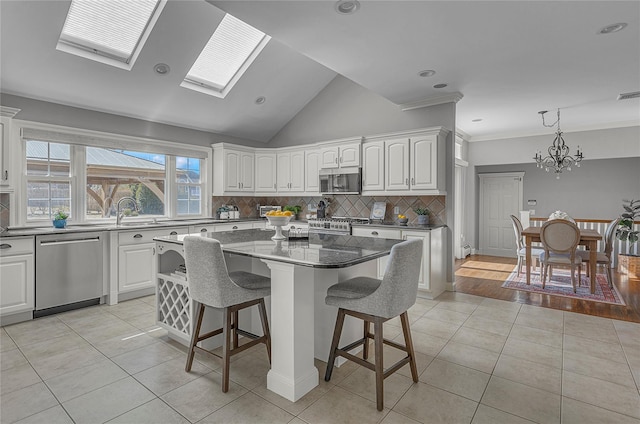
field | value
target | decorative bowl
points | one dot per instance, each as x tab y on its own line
279	220
403	221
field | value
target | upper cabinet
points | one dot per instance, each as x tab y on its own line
290	171
311	171
265	172
373	166
412	162
343	155
6	115
233	170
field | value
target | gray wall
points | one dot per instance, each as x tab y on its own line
345	109
57	114
593	191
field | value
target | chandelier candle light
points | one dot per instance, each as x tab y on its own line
559	158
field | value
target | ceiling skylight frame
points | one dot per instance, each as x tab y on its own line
89	50
212	88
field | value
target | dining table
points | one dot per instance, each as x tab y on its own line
588	238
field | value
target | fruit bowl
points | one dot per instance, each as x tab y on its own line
278	222
403	221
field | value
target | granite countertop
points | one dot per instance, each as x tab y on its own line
318	251
131	225
396	225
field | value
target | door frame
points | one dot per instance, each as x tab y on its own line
481	220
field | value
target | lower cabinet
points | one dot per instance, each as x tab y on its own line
17	270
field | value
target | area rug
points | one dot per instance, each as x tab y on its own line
560	285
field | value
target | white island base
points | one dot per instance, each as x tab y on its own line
300	322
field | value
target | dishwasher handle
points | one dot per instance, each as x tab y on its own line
73	241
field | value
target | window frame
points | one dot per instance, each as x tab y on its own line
78	139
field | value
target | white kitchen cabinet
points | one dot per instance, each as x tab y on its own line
17	275
137	257
312	172
202	228
265	174
424	162
397	164
290	171
6	173
233	170
373	166
432	280
338	156
387	233
233	226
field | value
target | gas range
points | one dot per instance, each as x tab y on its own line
340	225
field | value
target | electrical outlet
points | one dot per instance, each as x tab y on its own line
396	210
532	212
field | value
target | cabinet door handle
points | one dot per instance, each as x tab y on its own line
137	235
406	181
336	160
154	251
241	185
5	246
374	233
413	181
274	186
203	230
235	227
6	175
173	233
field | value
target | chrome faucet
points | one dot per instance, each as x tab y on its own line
120	215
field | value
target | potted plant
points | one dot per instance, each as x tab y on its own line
628	263
423	215
294	209
60	219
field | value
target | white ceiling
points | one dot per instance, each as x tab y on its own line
509	59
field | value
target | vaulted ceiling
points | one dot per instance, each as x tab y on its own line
508	59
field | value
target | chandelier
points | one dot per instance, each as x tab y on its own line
558	158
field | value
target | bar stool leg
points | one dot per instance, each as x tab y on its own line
408	342
337	331
235	325
365	347
379	363
226	348
194	338
265	327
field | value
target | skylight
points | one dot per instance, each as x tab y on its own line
230	51
111	32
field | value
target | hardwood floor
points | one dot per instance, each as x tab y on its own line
483	276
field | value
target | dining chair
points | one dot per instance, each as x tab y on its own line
559	239
604	257
521	248
210	284
376	301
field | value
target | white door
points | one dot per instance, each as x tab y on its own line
283	172
136	267
500	196
373	166
232	165
397	164
329	157
350	155
424	282
247	170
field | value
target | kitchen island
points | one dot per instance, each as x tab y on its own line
301	271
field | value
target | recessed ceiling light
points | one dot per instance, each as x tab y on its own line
440	86
477	120
426	73
609	29
260	100
162	68
347	7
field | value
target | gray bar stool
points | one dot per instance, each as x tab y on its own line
377	301
210	284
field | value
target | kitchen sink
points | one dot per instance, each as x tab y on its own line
138	224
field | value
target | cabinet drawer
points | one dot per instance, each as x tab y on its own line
377	232
232	226
16	246
202	228
146	236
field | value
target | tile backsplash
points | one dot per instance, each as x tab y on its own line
341	205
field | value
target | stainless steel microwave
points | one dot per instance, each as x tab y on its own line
340	180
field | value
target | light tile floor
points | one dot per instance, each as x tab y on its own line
480	361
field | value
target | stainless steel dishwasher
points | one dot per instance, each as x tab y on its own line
68	272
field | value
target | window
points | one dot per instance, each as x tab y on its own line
86	173
111	32
189	186
230	51
48	179
113	174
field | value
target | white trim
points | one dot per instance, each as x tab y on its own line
432	101
9	112
529	133
410	133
